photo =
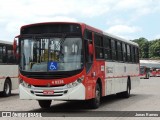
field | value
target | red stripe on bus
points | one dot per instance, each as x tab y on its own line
2	77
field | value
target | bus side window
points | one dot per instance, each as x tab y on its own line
128	53
113	48
137	53
124	52
119	51
98	40
88	57
88	35
10	58
4	55
88	39
107	48
133	54
1	54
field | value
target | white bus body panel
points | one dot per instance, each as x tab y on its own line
75	93
11	72
116	75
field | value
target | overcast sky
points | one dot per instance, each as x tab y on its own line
130	19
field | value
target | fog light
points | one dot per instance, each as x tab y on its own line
65	92
32	92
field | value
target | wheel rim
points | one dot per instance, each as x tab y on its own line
128	90
98	95
7	88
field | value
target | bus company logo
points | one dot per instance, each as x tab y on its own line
109	69
57	82
6	114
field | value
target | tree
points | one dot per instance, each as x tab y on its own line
144	47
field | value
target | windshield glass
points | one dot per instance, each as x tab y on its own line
51	54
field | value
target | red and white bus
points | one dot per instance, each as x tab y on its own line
152	72
74	61
155	72
8	69
158	72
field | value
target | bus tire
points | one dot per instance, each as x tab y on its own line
44	103
7	88
125	94
95	102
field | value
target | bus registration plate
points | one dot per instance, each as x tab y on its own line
48	92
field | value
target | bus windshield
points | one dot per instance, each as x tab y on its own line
51	54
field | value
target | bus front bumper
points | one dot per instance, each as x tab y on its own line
60	93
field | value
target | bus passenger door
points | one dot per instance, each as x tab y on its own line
88	45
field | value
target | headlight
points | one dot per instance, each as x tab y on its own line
23	83
77	82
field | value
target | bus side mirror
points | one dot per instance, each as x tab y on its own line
15	47
90	49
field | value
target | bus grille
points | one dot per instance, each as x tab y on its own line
58	91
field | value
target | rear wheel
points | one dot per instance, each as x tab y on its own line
95	102
125	94
45	103
7	88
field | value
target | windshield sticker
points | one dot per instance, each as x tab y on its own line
52	66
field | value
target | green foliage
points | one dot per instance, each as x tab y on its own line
154	48
148	49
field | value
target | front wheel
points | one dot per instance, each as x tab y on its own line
95	102
45	103
7	88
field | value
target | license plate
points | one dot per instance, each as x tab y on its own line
48	92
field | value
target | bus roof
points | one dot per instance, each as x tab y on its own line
5	42
43	23
121	39
87	26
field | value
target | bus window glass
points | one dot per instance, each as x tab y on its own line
1	53
113	48
99	46
128	53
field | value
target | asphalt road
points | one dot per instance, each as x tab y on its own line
145	97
